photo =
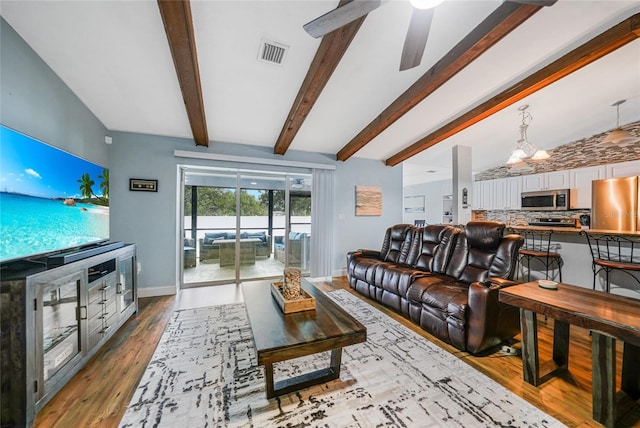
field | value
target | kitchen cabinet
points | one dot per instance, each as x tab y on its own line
506	193
580	185
532	183
514	190
499	201
483	195
476	199
623	169
498	194
545	181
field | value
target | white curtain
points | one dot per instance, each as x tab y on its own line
321	223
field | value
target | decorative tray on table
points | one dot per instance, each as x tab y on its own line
305	302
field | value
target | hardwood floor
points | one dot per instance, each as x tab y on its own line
98	395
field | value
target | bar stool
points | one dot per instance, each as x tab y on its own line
613	252
537	245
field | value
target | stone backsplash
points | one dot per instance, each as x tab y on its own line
522	218
578	154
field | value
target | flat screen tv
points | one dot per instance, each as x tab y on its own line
50	200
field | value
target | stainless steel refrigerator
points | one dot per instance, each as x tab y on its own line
614	204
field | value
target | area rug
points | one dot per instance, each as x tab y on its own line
204	374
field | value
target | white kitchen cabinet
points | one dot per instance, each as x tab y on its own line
487	194
545	181
623	169
532	183
483	195
500	194
506	193
556	180
476	197
514	190
580	185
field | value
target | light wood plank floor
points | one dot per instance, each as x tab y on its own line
98	395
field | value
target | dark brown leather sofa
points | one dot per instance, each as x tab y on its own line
444	278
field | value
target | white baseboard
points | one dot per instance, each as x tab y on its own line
157	291
340	272
319	279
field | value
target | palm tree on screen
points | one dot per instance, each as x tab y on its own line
86	184
104	184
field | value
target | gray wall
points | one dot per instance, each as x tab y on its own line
149	219
351	231
34	101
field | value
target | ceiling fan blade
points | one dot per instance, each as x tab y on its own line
535	2
339	17
416	39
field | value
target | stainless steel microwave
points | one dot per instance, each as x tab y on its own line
546	200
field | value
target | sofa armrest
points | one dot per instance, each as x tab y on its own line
490	321
362	253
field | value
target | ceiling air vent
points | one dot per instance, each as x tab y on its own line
272	52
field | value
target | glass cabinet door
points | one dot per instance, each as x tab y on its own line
58	325
125	283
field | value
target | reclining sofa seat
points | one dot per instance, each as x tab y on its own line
434	276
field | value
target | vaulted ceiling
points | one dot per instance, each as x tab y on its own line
193	70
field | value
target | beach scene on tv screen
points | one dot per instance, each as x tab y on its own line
49	199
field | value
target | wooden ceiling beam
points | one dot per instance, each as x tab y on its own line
607	42
178	25
507	17
328	56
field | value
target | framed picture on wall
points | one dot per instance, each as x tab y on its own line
414	204
143	185
368	200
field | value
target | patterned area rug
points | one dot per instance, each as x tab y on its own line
204	374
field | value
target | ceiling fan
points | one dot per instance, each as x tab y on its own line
417	33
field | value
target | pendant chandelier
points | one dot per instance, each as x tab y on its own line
524	148
618	137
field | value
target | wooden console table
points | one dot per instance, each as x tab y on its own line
610	317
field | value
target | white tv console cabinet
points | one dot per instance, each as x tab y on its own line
55	317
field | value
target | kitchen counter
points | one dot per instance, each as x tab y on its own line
568	230
577	261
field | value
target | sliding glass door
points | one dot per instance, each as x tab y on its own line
243	225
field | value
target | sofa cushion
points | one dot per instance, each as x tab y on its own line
436	244
397	243
485	235
213	236
396	279
475	251
258	235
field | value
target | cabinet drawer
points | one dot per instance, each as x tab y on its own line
95	324
96	308
95	292
109	309
109	322
95	337
109	290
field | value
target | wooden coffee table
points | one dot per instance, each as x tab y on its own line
280	337
609	317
